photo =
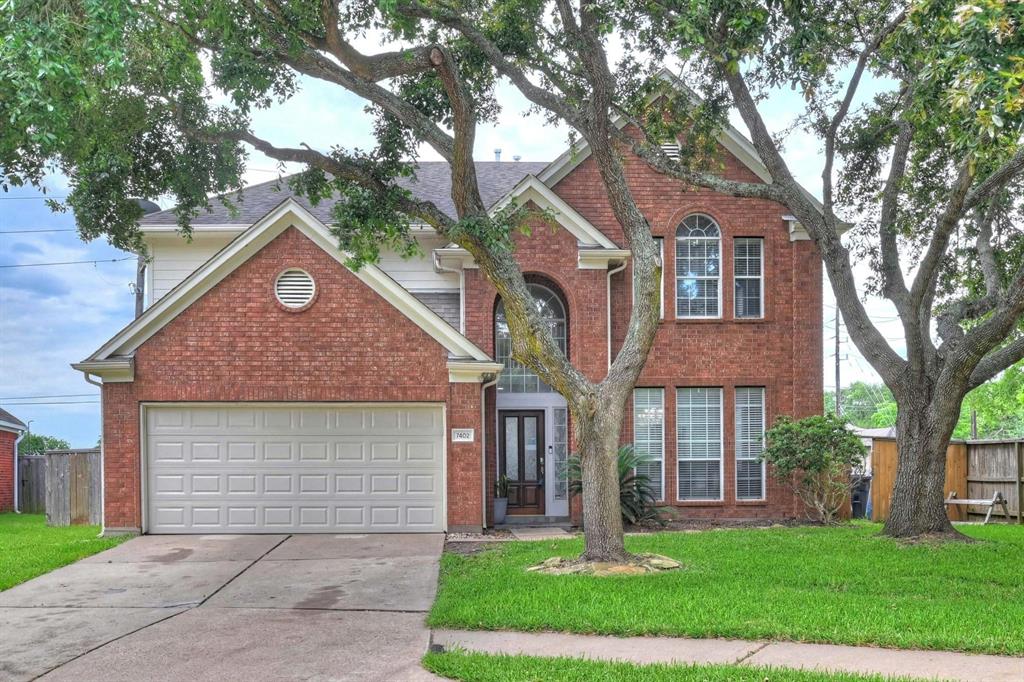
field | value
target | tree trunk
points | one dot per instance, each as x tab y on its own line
598	440
923	431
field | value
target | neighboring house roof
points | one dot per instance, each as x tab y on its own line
432	182
8	422
115	354
884	432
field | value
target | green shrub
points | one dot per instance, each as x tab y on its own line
816	457
637	497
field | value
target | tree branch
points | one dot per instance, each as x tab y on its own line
1002	176
997	361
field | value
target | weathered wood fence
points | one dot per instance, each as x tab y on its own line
66	484
974	470
32	484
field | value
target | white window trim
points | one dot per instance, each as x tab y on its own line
764	468
760	278
661	494
675	264
721	447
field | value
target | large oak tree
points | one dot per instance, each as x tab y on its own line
116	95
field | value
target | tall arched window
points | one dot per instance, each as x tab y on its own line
516	378
698	267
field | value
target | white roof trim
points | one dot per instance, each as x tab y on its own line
464	372
8	426
532	189
289	213
598	259
111	370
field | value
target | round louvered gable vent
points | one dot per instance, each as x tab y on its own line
294	288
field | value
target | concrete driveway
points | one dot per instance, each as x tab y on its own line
228	607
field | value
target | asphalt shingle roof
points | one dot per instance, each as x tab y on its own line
432	182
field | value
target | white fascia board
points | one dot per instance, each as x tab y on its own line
455	257
111	371
599	259
13	428
468	372
532	189
289	213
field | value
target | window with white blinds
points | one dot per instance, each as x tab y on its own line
649	435
749	443
699	443
698	272
748	273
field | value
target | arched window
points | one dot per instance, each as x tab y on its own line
698	267
516	378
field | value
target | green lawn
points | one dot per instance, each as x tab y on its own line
472	667
28	547
843	585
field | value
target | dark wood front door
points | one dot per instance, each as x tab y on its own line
521	458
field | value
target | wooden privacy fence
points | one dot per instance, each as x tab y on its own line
32	484
974	470
66	484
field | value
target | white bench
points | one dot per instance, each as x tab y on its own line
991	504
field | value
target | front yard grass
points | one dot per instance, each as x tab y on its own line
845	585
29	548
472	667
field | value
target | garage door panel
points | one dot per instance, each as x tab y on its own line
296	469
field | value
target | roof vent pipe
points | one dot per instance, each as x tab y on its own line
497	154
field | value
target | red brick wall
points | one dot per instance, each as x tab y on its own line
782	352
7	455
237	344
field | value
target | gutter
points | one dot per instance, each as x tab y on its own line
461	272
609	295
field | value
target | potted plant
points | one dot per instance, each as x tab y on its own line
500	498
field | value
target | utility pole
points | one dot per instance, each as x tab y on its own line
839	390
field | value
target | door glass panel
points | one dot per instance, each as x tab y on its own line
512	448
560	450
530	436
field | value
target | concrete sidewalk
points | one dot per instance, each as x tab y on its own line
940	665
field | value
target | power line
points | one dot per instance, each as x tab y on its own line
28	198
40	397
58	402
35	231
69	262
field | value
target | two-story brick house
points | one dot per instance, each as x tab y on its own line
268	388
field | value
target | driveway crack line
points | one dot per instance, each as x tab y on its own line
161	620
235	576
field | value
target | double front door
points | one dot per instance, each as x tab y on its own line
521	458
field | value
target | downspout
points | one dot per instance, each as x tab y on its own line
21	435
461	272
103	458
609	293
483	449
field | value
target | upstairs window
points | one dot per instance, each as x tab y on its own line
748	269
517	378
698	267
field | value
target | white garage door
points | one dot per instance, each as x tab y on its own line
279	469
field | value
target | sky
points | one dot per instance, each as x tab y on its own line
53	315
